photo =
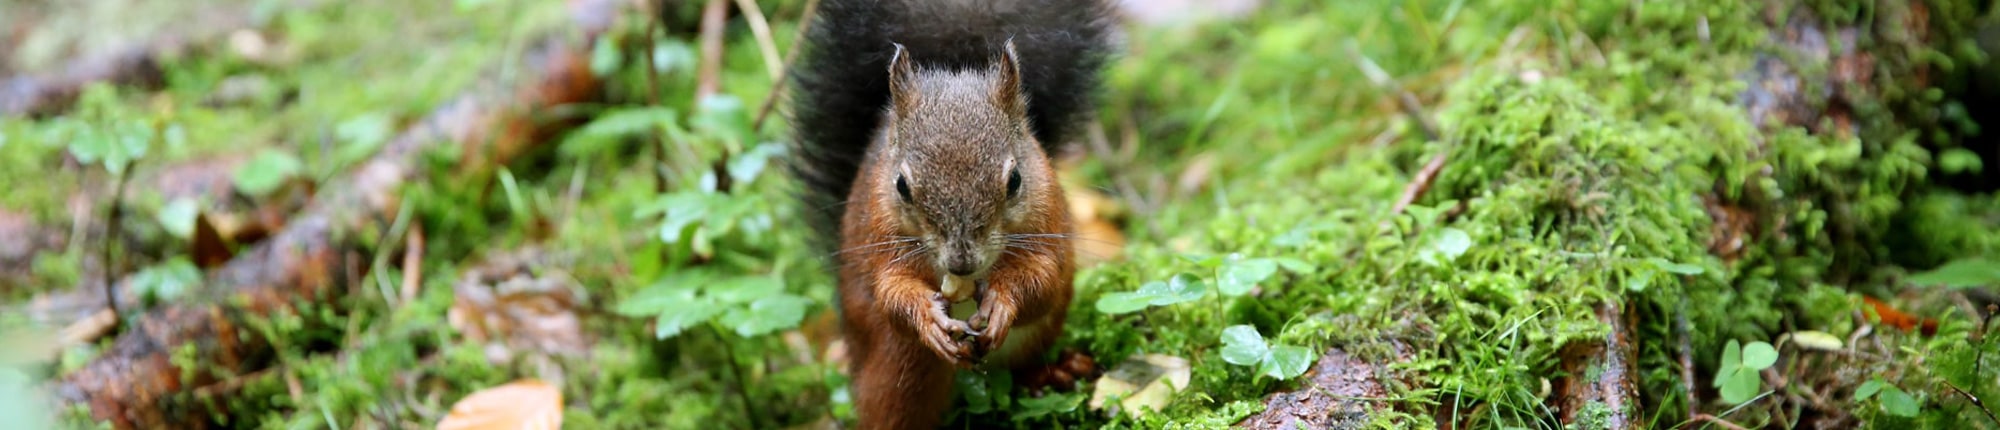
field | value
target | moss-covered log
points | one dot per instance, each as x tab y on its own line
1599	385
1341	391
145	379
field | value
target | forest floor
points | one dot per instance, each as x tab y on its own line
1396	213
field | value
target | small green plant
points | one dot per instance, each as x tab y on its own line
1243	346
1961	274
1738	377
264	174
167	280
1894	400
749	305
1179	289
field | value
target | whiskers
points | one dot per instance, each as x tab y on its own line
902	247
1047	242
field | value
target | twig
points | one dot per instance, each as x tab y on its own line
653	95
761	30
1418	185
777	89
1681	331
713	17
111	238
1404	99
88	329
736	372
1975	401
413	261
1718	421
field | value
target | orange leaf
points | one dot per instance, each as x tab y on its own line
1901	320
523	404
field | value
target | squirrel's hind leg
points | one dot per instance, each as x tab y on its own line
902	385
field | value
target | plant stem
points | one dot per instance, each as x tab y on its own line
653	95
110	238
736	372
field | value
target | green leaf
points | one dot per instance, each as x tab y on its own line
1962	273
1447	245
1639	281
1181	288
1958	160
1732	358
1243	346
1676	268
745	289
746	166
360	136
721	115
1123	303
1238	277
168	280
1868	389
1897	402
1294	265
178	217
679	287
613	126
1739	386
768	314
672	55
977	399
604	57
265	173
678	316
1759	356
1286	362
1036	407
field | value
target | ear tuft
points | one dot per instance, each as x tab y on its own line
902	89
1007	87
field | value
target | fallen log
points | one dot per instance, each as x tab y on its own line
1598	386
135	383
134	62
1341	391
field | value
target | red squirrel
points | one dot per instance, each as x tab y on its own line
924	138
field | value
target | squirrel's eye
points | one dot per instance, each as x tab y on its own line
1013	183
903	189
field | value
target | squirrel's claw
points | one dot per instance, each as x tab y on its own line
994	318
942	332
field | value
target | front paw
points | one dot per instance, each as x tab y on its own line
994	318
941	333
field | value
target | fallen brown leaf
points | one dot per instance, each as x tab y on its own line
523	404
1900	320
519	303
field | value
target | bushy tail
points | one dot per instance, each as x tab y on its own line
840	83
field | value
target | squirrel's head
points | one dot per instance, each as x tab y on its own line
964	168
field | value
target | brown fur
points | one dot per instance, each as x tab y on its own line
954	138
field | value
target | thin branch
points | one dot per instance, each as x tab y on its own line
1418	185
761	30
111	238
1404	99
777	89
413	261
1975	401
1686	353
713	18
653	96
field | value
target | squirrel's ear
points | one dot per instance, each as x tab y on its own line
1007	88
902	91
